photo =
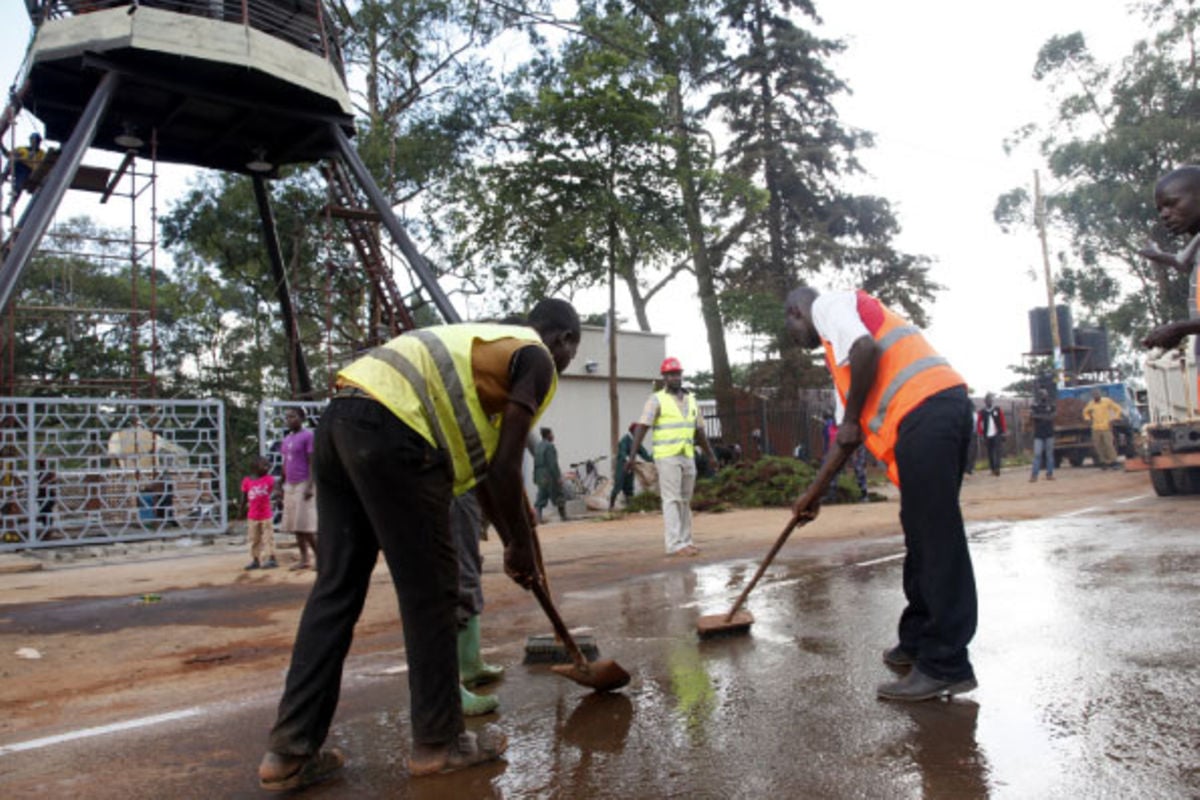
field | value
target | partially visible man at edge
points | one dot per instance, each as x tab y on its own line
1177	198
910	409
428	415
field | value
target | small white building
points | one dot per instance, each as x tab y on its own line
579	415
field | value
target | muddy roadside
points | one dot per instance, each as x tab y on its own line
144	632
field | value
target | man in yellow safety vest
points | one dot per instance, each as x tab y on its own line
429	415
673	416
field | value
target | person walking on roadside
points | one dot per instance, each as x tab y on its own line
256	505
992	427
910	408
547	476
675	419
430	414
623	482
297	489
1042	413
1101	411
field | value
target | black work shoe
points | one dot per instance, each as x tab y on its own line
917	686
898	657
252	565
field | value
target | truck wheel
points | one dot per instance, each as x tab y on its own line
1076	459
1163	483
1187	480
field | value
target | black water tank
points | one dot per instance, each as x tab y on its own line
1093	353
1039	329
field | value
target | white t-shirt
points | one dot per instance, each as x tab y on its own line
835	316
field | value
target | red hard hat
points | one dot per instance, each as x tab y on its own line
671	365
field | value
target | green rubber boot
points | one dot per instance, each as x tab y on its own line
471	669
476	705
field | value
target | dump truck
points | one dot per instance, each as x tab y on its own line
1073	434
1170	450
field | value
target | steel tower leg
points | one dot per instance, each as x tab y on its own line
45	201
297	367
376	198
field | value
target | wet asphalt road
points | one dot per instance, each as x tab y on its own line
1088	659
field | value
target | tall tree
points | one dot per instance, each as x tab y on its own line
580	187
777	96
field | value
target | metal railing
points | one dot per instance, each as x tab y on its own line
87	471
303	23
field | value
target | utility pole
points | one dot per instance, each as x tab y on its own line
614	399
1039	217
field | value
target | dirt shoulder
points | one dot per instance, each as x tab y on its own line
138	634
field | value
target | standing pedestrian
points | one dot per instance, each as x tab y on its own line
1101	411
1042	413
909	407
256	506
298	489
432	413
675	419
547	476
992	427
623	482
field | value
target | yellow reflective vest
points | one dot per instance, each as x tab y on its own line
425	378
674	432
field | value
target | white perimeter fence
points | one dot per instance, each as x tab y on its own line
84	471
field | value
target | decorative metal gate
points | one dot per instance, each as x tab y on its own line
84	471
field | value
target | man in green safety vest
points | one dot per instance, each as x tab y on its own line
675	419
429	415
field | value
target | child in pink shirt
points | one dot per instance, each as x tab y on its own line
256	504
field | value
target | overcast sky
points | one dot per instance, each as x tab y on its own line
940	83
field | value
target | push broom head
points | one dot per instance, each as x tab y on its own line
545	648
713	626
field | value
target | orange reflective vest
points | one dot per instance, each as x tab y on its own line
908	372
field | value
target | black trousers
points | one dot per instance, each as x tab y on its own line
380	485
939	582
995	451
